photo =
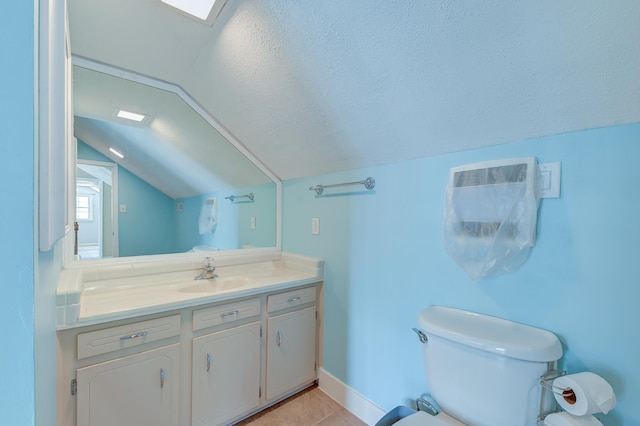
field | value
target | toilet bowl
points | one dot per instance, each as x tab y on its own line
482	370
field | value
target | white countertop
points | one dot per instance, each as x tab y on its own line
84	301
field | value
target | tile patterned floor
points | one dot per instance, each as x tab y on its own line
311	407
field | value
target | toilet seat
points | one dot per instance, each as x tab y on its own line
422	418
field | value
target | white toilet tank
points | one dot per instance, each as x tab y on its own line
483	370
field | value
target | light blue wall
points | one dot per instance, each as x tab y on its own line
17	215
385	262
234	219
146	227
263	208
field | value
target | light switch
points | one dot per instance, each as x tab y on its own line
123	208
253	222
315	226
549	184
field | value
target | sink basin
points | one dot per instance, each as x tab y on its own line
216	284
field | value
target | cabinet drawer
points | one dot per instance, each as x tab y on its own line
225	314
291	298
125	336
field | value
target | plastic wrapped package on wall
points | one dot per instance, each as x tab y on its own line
490	215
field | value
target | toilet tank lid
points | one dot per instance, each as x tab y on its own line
491	334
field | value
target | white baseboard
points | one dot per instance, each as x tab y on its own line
357	404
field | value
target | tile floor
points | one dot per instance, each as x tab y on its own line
311	407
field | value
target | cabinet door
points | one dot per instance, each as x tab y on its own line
291	351
140	389
226	374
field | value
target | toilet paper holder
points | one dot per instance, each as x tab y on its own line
547	390
547	381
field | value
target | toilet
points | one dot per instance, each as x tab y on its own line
482	370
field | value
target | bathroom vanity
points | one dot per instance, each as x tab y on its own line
145	343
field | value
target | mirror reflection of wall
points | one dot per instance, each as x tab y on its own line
173	161
150	222
239	221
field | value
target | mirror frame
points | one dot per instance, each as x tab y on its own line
69	259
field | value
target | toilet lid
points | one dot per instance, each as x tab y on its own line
422	418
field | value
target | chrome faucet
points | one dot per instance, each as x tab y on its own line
208	272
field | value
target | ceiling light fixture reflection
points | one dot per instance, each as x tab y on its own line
116	152
130	115
198	8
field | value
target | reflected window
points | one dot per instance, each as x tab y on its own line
83	207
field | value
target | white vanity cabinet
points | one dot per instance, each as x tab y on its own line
226	364
126	376
291	341
140	389
203	365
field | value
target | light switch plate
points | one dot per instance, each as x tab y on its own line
253	222
123	208
549	183
315	226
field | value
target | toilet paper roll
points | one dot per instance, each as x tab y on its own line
584	393
566	419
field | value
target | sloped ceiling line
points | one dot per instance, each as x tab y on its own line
177	173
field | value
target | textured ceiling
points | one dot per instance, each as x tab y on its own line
312	87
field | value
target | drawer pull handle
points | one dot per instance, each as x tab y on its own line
229	314
279	338
134	336
208	362
294	299
161	377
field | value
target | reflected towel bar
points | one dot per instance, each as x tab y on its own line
368	183
233	197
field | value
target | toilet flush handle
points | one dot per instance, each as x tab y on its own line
424	405
421	335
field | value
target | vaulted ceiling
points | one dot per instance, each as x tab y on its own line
312	87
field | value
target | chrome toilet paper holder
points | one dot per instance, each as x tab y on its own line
547	381
548	390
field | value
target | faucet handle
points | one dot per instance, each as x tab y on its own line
208	262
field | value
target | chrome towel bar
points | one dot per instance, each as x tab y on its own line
233	197
368	183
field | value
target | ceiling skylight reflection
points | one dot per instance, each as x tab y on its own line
198	8
128	115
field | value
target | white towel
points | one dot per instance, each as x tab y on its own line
208	216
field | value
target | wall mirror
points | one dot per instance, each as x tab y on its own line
182	185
